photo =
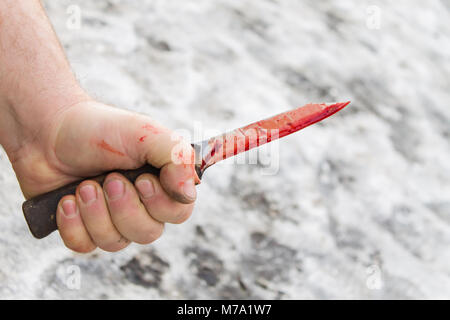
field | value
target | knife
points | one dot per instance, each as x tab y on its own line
40	211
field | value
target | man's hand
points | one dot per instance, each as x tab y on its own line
54	133
89	138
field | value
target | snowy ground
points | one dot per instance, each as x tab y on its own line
360	205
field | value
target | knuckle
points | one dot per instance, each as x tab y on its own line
150	234
124	216
99	235
74	242
81	247
182	216
114	246
70	239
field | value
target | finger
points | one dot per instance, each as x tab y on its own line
158	203
71	227
128	213
94	213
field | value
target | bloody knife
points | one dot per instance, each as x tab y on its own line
40	211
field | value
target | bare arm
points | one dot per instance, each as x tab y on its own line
35	78
54	133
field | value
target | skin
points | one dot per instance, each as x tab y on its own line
54	133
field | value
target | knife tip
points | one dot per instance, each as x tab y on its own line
335	107
342	104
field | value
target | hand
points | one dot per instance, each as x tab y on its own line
88	138
54	133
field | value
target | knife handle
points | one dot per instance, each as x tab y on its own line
40	211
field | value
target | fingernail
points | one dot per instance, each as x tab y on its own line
88	194
69	208
115	189
189	189
145	188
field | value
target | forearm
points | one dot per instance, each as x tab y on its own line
35	78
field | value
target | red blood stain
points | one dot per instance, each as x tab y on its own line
193	172
264	131
107	147
141	139
191	164
297	119
151	128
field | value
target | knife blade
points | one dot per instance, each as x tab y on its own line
229	144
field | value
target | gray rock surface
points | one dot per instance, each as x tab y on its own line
360	204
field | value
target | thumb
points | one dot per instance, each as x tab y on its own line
149	142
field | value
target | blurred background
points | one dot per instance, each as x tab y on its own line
360	204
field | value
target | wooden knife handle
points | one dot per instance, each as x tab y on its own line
40	211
